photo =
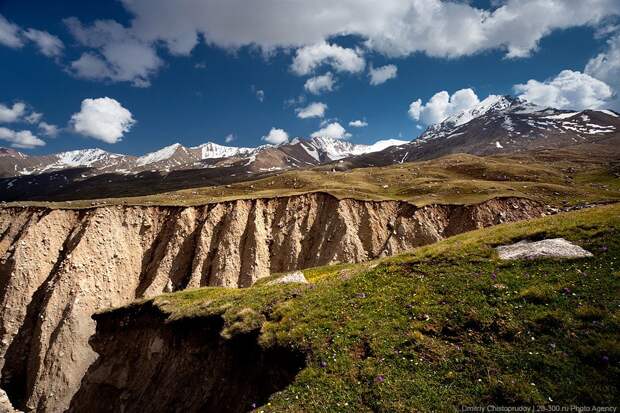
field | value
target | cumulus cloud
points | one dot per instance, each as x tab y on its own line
13	113
48	129
442	105
332	130
382	74
259	93
13	36
104	119
117	55
568	90
341	59
22	139
229	138
276	136
48	44
358	123
606	67
20	113
393	27
313	110
33	117
319	84
10	34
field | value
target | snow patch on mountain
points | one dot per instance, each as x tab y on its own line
610	113
158	156
492	102
384	144
336	149
85	157
212	150
562	115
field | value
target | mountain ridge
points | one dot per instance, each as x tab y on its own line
501	125
177	156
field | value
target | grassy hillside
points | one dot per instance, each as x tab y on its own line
447	325
455	179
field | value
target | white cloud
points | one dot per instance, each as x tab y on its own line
229	138
48	129
319	84
313	110
393	27
48	44
13	36
568	90
442	105
358	123
382	74
276	136
260	94
118	54
33	117
19	113
341	59
104	119
12	114
606	67
22	139
333	130
10	34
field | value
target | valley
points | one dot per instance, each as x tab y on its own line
326	206
164	262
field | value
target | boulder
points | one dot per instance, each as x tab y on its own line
293	277
548	248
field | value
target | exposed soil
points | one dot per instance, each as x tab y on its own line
147	364
58	267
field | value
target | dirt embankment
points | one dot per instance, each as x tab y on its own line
148	364
58	267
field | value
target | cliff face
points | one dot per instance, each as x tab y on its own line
58	267
199	370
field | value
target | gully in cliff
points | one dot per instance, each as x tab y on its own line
59	267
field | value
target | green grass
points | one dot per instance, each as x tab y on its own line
453	179
444	326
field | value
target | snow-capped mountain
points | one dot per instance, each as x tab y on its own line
84	158
493	104
212	150
95	159
513	122
498	125
328	149
503	124
91	162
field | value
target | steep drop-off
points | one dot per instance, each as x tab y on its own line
232	375
58	267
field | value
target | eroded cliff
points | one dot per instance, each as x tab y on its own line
58	267
232	375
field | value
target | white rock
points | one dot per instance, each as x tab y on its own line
293	277
556	248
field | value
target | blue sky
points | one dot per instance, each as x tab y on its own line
210	91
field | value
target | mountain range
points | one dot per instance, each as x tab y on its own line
298	153
503	125
497	125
